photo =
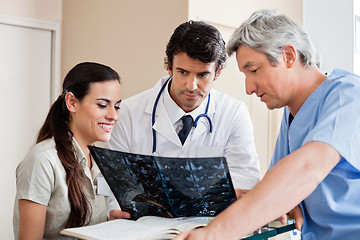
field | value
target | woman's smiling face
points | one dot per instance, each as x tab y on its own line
93	118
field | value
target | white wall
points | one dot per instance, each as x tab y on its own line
331	25
234	12
48	10
357	37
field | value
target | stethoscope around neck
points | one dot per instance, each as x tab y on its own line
205	114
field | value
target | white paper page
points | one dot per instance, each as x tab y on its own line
181	224
119	229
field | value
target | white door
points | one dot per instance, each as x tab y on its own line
25	84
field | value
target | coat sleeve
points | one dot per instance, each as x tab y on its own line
240	150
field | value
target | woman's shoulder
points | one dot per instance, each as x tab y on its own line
42	153
40	167
45	147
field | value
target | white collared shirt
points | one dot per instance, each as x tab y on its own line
175	113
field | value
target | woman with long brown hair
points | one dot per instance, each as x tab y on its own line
57	181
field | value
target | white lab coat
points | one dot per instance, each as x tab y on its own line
232	135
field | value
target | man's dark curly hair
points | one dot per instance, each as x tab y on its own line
198	40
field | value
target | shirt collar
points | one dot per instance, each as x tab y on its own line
79	153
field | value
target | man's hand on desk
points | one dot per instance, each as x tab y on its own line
117	213
295	214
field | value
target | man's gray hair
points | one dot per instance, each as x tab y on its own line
268	31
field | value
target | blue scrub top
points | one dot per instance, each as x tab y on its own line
331	114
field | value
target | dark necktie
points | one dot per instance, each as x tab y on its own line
187	124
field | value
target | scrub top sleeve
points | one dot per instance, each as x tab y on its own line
35	178
338	121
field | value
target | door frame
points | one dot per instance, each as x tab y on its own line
54	27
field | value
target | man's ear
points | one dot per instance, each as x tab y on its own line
169	72
70	101
217	74
289	55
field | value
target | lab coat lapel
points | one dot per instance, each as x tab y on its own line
163	126
154	92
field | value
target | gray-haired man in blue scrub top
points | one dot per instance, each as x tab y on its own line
314	174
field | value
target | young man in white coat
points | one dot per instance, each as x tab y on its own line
151	121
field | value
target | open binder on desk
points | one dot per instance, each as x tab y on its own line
156	228
164	186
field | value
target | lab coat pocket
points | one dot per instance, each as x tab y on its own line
210	151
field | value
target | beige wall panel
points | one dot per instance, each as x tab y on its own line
128	35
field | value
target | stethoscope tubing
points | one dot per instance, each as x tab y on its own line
195	122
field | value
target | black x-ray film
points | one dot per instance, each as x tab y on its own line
168	187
